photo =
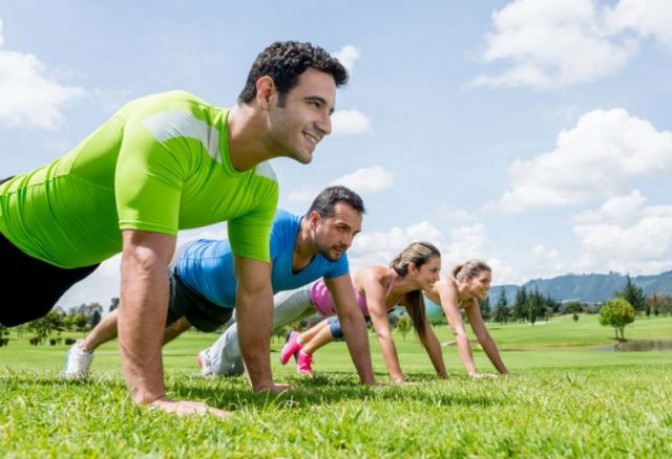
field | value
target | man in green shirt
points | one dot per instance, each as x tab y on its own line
163	163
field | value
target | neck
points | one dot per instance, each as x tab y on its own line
402	285
247	143
305	249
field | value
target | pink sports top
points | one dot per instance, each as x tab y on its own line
324	303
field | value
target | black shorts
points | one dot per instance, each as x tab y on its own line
46	284
200	312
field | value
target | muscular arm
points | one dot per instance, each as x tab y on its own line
254	316
142	311
142	321
484	338
353	325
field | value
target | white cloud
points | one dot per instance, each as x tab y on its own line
302	195
349	122
466	242
347	56
370	180
645	17
594	160
29	93
379	247
448	213
552	44
640	244
541	252
619	210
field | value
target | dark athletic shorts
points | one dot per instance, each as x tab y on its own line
34	285
201	313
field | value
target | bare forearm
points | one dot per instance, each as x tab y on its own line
141	323
254	331
433	348
492	352
391	358
464	350
356	336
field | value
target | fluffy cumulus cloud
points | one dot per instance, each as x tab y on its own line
369	180
348	55
29	93
349	122
625	235
647	18
448	213
548	44
595	160
466	242
379	247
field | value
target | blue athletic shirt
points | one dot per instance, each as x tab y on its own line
206	265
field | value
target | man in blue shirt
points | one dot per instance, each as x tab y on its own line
203	284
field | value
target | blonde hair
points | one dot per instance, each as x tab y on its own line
470	269
417	253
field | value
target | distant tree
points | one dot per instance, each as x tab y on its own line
573	307
501	308
633	294
535	306
41	327
652	304
281	332
575	316
519	308
404	325
484	304
664	304
617	313
4	334
76	321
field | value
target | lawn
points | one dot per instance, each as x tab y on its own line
570	395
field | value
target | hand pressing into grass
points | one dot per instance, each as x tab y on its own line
477	375
187	408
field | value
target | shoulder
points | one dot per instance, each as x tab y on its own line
373	273
265	169
284	219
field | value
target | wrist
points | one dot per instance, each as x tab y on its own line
262	387
153	399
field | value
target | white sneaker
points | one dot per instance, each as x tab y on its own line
204	364
77	362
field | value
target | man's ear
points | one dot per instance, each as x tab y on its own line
314	219
265	91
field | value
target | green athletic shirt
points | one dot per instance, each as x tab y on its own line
161	163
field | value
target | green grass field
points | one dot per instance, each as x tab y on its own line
570	395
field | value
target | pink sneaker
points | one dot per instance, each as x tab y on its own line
304	363
290	349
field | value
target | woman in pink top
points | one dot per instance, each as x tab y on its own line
379	289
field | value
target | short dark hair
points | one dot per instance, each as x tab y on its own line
284	62
324	203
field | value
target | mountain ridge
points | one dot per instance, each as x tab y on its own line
588	288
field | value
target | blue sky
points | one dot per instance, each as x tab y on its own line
533	134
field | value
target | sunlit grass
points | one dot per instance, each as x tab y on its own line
568	397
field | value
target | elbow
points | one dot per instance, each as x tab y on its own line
382	336
458	332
